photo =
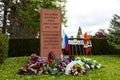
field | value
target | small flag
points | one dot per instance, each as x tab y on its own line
65	42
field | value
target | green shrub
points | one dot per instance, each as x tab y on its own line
3	47
102	47
23	47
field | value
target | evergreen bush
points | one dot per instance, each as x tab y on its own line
3	47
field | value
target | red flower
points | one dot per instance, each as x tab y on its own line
33	72
50	61
21	71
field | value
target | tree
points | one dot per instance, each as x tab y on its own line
100	34
4	6
0	23
114	32
79	32
24	16
23	19
71	36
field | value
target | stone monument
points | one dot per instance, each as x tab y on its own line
50	32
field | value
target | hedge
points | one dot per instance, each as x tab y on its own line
26	47
23	47
101	47
3	47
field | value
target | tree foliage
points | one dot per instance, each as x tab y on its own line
114	31
24	20
24	16
100	34
79	32
71	36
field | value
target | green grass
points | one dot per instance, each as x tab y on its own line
111	71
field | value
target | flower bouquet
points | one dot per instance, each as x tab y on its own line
89	64
75	68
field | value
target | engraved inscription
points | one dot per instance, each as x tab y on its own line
50	32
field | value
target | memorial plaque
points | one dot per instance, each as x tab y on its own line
50	32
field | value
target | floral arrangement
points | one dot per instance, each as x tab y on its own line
54	66
89	63
75	68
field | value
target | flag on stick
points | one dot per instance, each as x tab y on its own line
65	42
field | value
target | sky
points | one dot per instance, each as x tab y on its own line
90	15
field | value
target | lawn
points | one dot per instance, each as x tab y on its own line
111	71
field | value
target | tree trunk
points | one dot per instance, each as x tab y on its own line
4	28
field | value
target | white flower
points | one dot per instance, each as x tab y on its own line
98	66
71	64
94	61
40	71
33	70
77	58
86	65
87	59
92	66
76	73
